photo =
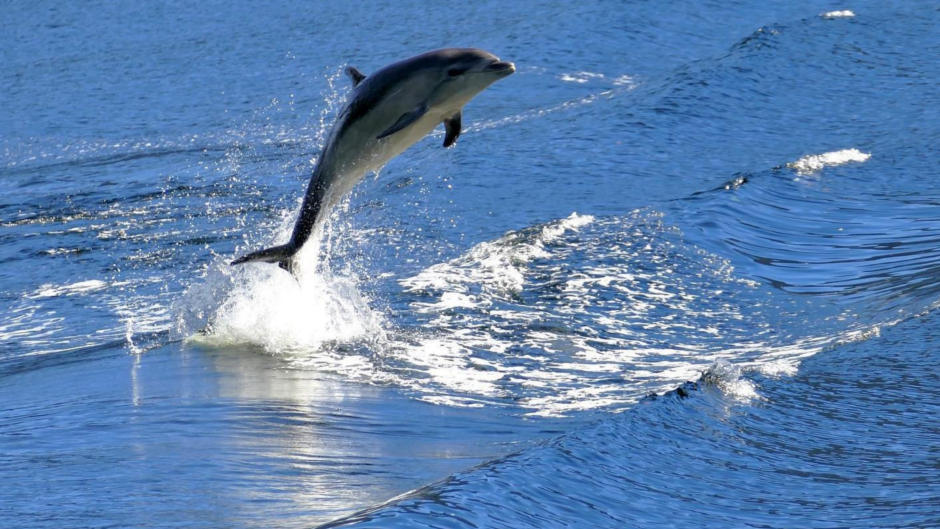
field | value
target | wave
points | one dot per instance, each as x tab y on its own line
581	313
577	314
805	231
595	316
712	450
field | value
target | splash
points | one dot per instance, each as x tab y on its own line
270	309
844	13
730	380
262	306
815	162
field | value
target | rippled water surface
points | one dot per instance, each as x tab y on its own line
681	269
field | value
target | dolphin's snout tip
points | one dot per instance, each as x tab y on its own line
503	67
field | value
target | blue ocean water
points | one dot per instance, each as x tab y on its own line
681	268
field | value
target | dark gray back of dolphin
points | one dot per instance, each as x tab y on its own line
388	111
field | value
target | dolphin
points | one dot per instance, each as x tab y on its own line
387	112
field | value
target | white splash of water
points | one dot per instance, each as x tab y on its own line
844	13
812	163
269	308
261	305
730	380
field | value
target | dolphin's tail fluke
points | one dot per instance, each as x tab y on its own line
282	255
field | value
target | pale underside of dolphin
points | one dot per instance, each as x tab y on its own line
387	112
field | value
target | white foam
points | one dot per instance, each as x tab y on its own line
495	266
267	307
567	366
845	13
64	251
580	77
627	309
814	162
71	289
572	222
728	378
263	306
778	368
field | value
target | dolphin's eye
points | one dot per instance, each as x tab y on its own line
454	72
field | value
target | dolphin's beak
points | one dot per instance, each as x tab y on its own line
501	67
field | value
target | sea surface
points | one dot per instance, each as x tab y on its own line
680	270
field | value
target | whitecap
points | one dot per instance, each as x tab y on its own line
730	381
844	13
498	265
814	162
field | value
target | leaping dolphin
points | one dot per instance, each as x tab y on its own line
387	112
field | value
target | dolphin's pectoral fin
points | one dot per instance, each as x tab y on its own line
355	75
452	126
406	119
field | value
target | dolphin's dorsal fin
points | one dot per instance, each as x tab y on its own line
452	126
355	75
406	119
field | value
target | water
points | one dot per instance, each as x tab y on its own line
730	206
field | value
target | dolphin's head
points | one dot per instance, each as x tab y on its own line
464	73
